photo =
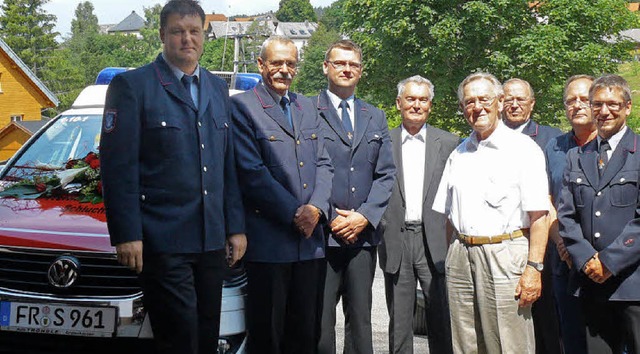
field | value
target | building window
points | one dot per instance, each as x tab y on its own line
17	117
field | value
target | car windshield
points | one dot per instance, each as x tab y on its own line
69	137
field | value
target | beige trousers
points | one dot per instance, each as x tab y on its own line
481	283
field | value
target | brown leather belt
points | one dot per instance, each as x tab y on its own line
484	240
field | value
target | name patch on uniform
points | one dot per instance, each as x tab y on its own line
109	120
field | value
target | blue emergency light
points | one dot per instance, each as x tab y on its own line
107	74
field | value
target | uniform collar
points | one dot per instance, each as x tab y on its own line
335	100
179	73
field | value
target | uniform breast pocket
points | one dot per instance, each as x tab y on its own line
578	185
163	135
310	137
272	146
624	189
374	141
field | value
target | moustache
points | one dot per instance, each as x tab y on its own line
285	76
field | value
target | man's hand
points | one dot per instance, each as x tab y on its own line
236	246
529	287
130	255
562	251
596	271
348	225
306	219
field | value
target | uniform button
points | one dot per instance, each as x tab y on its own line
143	197
202	146
351	169
204	168
199	124
596	235
205	192
579	180
304	185
226	125
622	179
599	194
598	213
313	136
297	142
257	211
353	189
301	163
164	124
272	138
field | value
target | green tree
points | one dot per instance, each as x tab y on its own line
28	30
333	16
64	77
85	20
296	11
310	79
214	52
151	31
445	40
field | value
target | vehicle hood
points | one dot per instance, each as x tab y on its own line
60	223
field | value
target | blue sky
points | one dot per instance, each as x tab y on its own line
113	11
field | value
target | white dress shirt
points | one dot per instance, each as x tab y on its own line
613	141
335	101
413	151
488	186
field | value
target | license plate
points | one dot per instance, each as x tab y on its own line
58	319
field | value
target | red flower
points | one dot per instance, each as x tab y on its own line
70	164
41	187
92	160
99	187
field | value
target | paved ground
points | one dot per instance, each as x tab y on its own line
380	322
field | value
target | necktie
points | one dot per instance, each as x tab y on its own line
603	157
187	80
284	104
346	119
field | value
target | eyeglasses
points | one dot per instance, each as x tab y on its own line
583	103
279	63
342	64
511	100
483	102
613	106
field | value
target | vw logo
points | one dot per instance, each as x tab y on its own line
63	272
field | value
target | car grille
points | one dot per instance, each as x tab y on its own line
100	275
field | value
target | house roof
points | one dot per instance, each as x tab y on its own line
632	34
32	126
297	29
213	17
131	23
230	28
4	47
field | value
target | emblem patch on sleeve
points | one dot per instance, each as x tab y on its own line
109	120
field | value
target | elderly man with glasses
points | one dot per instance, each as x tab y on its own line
494	193
519	100
600	222
285	176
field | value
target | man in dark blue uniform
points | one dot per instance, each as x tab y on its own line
357	138
599	215
519	100
285	175
170	184
583	130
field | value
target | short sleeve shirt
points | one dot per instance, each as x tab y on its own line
488	186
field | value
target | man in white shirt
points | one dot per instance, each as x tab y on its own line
494	193
414	244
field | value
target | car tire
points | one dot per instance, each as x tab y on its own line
419	315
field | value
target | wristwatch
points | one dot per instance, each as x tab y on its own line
537	266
